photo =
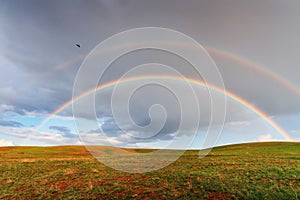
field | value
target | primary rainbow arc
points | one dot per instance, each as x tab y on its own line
231	95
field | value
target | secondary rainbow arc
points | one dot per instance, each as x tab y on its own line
211	50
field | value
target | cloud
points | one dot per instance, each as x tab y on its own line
11	123
34	44
6	142
66	132
6	107
266	138
37	71
28	134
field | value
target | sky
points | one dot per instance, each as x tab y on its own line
254	44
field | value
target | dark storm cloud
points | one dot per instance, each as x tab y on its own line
111	130
37	36
66	132
11	123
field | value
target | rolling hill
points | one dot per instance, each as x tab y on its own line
243	171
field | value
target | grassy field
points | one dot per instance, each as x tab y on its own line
245	171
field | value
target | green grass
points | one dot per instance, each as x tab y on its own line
245	171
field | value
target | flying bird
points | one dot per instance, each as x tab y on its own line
77	45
